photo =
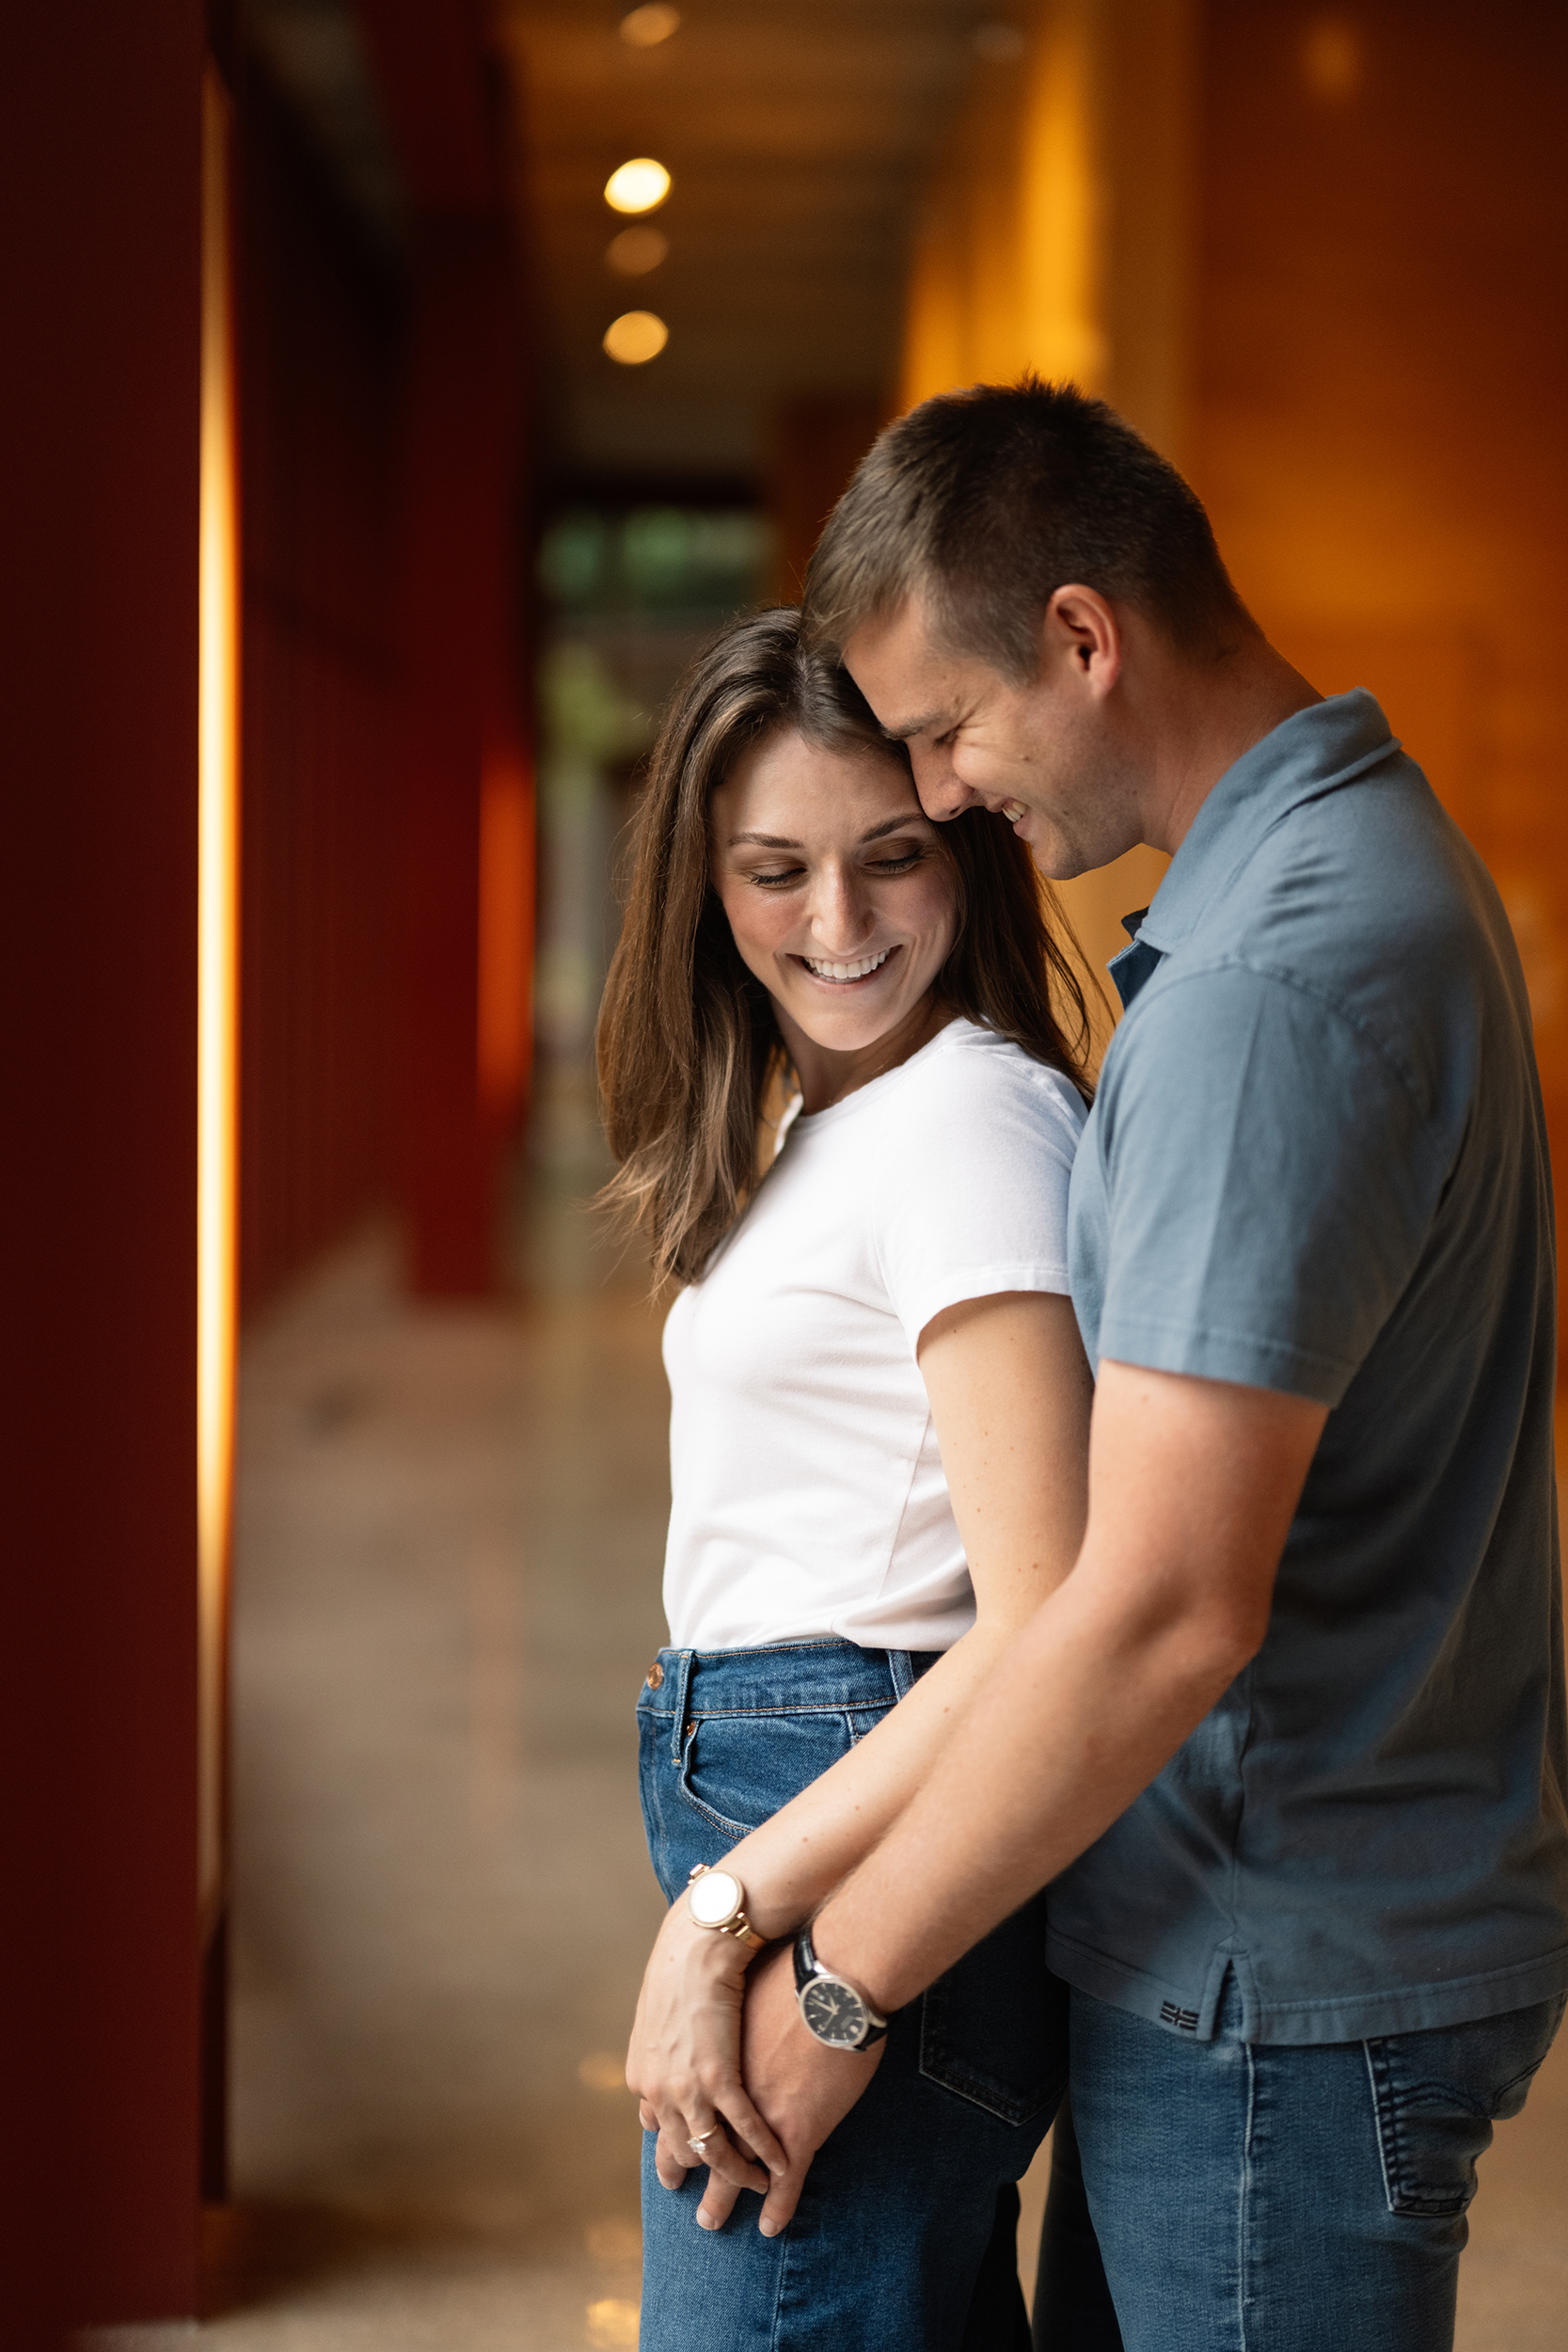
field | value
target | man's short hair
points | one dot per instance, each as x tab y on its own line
986	501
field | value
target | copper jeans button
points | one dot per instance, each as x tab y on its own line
654	1676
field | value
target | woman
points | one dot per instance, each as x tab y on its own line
879	1448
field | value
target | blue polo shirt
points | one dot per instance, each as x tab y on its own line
1317	1162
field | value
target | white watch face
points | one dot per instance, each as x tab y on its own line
714	1898
834	2012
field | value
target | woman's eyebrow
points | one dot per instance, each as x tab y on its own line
778	841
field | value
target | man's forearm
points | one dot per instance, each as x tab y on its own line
801	1854
1089	1701
1191	1488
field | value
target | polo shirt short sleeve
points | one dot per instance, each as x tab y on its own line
1270	1181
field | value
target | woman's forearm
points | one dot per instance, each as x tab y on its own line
1011	1394
795	1860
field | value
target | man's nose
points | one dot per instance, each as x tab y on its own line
940	793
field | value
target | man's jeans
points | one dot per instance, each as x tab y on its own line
1271	2199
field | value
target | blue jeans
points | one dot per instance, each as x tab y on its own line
1267	2198
904	2240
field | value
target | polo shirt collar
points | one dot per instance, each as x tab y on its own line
1313	752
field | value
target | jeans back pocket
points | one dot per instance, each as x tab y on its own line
1437	2095
994	2029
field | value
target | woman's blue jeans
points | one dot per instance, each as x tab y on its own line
1260	2199
904	2237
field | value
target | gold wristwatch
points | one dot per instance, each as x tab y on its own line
717	1899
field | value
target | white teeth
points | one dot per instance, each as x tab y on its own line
826	970
1013	810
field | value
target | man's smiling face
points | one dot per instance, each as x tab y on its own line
1043	754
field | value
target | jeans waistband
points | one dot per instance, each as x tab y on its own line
785	1677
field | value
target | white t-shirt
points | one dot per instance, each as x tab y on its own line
808	1490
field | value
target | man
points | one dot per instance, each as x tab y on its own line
1289	1742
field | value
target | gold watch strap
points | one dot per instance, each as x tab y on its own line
739	1927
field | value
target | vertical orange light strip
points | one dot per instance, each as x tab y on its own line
217	986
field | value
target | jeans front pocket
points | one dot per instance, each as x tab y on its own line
994	2029
737	1770
1437	2095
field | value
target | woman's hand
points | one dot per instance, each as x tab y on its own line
684	2062
810	2089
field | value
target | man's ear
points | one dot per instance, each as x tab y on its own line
1081	633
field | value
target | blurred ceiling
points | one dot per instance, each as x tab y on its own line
798	134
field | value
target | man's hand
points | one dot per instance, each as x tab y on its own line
803	2088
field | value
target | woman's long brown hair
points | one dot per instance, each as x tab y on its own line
686	1032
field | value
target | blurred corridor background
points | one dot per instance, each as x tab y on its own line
399	392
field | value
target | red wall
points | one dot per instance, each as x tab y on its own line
100	191
320	359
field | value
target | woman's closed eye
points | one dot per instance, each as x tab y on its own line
896	859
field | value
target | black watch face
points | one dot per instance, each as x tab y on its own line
834	2012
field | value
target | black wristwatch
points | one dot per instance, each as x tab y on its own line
835	2010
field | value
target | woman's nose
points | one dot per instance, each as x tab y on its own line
841	913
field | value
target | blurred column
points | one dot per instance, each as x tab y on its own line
101	287
467	782
817	443
468	812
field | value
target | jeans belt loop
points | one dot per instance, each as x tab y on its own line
901	1667
683	1683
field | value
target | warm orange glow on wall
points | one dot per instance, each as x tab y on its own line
1060	251
505	934
1008	263
1051	240
217	951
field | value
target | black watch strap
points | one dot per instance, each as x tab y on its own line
806	1962
807	1966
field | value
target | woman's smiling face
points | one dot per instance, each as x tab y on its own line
838	892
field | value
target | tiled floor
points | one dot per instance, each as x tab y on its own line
451	1531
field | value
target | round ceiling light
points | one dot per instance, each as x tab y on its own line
636	187
645	28
636	251
635	336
